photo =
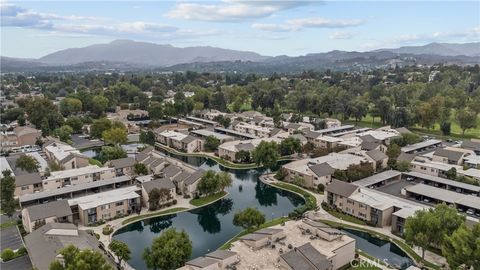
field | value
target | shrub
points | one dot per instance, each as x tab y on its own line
7	254
21	251
320	188
174	201
107	230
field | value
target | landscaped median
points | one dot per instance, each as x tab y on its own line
161	213
406	248
208	199
267	224
220	161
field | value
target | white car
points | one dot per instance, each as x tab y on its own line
470	211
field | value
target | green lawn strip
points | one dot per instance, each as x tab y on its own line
8	224
267	224
406	248
92	161
206	200
161	213
309	198
345	217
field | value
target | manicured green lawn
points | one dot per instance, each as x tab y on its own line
92	161
267	224
8	224
161	213
456	131
206	200
345	217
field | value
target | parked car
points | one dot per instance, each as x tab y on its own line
410	178
470	211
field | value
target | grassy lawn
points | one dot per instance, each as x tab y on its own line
456	131
206	200
92	161
161	213
267	224
405	247
309	198
8	224
345	217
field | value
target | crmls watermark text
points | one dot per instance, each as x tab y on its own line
356	263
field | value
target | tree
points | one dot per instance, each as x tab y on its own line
168	251
393	151
75	123
69	106
242	156
99	104
224	180
43	114
111	153
290	146
266	154
115	136
402	166
155	110
157	197
463	247
7	191
99	126
75	258
120	250
208	184
27	163
451	174
248	218
147	137
432	226
64	133
445	127
211	143
467	119
140	169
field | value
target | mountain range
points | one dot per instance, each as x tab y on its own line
125	55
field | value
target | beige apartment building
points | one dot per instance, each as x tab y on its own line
179	141
20	136
74	177
259	131
37	215
105	205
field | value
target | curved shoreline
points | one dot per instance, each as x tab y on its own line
224	163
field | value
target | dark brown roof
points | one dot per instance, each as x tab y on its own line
367	145
341	188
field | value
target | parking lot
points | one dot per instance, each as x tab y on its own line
10	238
17	264
395	188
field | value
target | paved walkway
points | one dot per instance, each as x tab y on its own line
322	214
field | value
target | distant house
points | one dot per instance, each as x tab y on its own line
190	183
27	184
377	158
448	156
20	136
179	141
41	214
162	183
65	155
123	166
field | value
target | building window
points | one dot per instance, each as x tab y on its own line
25	188
350	202
105	207
119	203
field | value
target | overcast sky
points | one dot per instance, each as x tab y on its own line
32	29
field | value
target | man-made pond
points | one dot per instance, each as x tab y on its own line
380	249
211	226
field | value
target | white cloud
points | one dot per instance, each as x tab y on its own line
16	16
232	10
341	35
300	24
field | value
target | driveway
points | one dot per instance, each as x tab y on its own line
10	238
20	263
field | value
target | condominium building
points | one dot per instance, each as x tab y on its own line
74	177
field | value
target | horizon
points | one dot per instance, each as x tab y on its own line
33	29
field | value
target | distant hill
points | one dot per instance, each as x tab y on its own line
147	54
444	49
127	55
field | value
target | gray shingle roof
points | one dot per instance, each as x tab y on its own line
221	254
159	184
51	209
405	157
451	155
376	155
171	170
44	244
122	162
245	147
181	177
144	154
188	139
367	145
28	179
469	144
322	169
296	261
194	177
341	188
311	134
316	258
201	262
